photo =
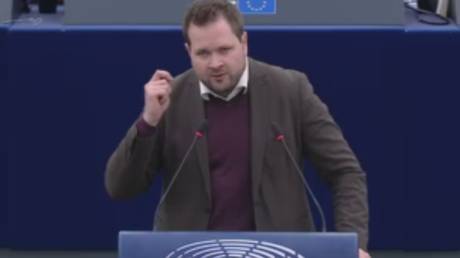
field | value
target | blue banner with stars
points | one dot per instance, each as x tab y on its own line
257	6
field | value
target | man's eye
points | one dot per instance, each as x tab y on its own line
224	50
202	54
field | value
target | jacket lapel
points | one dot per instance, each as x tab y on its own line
260	126
196	119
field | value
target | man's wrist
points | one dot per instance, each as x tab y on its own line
144	129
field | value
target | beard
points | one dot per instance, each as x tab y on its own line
222	84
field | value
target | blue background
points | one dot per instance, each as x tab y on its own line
3	139
72	92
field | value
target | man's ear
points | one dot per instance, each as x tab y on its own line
244	38
244	42
187	47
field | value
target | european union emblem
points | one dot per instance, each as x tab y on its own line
257	6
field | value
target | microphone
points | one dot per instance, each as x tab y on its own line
279	136
199	133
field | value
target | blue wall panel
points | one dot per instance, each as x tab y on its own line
85	93
74	93
434	139
4	138
70	112
352	71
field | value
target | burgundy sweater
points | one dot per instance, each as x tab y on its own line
228	137
229	163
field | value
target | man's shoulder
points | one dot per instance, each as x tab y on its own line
182	83
275	72
184	78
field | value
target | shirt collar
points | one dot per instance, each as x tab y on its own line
242	85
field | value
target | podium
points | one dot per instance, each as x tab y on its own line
210	244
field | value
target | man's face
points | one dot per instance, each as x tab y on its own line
218	56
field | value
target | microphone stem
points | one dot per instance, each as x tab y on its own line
173	179
310	192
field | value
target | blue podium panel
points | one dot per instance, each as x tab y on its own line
237	244
4	139
432	85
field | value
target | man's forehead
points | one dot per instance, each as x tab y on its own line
219	24
211	35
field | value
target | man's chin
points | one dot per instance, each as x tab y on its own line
221	89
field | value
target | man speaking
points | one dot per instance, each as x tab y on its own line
225	134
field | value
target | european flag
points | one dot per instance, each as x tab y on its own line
257	6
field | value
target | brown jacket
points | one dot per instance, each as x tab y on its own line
277	96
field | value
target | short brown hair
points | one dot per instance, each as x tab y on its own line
202	12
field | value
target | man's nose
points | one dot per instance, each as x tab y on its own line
215	61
